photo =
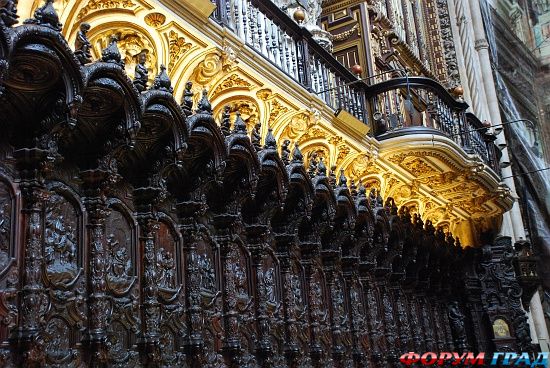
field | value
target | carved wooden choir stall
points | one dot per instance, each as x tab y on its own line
136	231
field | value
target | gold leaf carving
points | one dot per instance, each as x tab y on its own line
234	80
178	46
277	109
94	5
155	19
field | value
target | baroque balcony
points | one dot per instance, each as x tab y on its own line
422	133
293	50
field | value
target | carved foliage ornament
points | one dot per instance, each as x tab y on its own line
93	5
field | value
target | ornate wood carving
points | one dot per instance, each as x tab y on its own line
160	239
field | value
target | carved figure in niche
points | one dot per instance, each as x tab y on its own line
82	45
240	277
269	281
166	267
208	277
120	266
313	162
141	75
285	152
60	248
187	102
296	290
255	137
456	318
226	120
5	227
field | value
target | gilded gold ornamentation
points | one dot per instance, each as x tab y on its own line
277	109
264	94
297	125
500	328
343	152
233	81
178	46
361	166
213	64
155	19
313	133
94	5
418	167
249	110
130	44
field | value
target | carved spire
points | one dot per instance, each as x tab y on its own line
8	12
82	45
270	141
239	126
226	120
111	53
162	81
321	168
187	101
343	182
204	106
46	16
297	156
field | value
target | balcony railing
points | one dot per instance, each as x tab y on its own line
402	106
291	48
394	107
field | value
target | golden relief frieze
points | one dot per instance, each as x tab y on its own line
178	46
155	19
94	5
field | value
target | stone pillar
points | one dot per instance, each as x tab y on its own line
537	315
517	231
474	89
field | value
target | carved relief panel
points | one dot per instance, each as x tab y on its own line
121	278
63	257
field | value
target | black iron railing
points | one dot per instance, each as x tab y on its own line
404	105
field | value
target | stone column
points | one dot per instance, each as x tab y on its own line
535	307
517	231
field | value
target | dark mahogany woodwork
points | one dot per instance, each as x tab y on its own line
134	232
